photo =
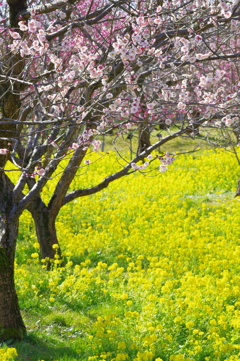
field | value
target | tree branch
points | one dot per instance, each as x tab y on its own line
105	183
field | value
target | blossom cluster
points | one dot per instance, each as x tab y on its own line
8	354
156	267
107	78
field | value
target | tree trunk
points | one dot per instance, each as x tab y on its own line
238	189
45	215
143	138
46	230
11	323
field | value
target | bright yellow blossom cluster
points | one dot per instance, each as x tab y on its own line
155	260
8	354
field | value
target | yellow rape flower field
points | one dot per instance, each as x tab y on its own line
151	268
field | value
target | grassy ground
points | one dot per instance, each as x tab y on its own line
151	268
202	141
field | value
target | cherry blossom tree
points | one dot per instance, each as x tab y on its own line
73	71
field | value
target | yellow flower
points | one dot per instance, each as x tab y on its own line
177	319
121	345
189	324
34	255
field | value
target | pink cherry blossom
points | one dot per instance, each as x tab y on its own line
75	146
181	106
22	26
134	166
14	34
163	168
96	145
4	151
32	26
168	121
150	105
198	38
40	171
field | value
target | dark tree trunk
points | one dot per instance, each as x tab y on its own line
11	323
238	189
11	101
143	138
45	215
15	6
236	130
46	234
46	230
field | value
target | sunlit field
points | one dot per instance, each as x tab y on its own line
151	268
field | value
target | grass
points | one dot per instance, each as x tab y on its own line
183	144
151	268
